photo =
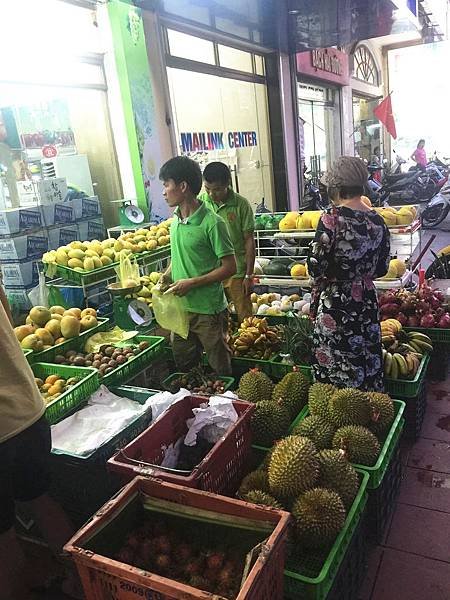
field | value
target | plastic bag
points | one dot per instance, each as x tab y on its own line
127	271
112	337
170	312
39	295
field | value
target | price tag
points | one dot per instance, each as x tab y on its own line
52	190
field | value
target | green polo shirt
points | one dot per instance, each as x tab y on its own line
197	244
238	215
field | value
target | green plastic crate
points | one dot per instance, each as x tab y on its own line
120	439
378	470
87	277
436	334
76	343
241	365
133	367
76	395
315	574
404	388
228	381
280	369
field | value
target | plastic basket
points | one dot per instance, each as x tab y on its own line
133	367
104	578
221	469
81	484
280	369
415	413
377	471
315	572
403	388
241	365
382	500
73	397
228	381
85	278
75	343
436	334
439	363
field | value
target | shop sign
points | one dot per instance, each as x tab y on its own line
49	151
206	141
327	64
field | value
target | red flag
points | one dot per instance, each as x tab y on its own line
383	113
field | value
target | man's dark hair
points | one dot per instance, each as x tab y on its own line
421	141
182	168
217	172
350	191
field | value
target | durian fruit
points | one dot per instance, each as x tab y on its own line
292	391
270	422
256	480
359	444
318	397
317	430
349	407
294	467
337	474
255	386
320	515
258	497
383	412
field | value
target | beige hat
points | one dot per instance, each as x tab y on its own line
348	171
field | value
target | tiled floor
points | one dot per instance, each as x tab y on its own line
413	562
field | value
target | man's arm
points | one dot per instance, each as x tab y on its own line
226	270
5	303
250	254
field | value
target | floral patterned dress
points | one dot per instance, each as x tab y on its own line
351	248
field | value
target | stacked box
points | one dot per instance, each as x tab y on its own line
21	247
58	213
19	220
61	236
18	298
22	273
86	208
94	229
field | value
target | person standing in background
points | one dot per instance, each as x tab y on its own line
419	156
238	215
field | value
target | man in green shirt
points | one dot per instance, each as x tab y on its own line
238	215
202	257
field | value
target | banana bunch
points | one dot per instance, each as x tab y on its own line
255	339
402	350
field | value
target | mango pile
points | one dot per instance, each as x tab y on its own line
305	220
403	216
95	254
47	327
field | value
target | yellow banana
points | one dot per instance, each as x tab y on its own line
402	366
417	335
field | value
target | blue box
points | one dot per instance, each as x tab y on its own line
58	213
61	236
94	229
17	220
85	208
21	247
20	273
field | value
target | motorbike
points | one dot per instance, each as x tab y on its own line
437	209
315	197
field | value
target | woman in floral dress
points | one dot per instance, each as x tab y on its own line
350	250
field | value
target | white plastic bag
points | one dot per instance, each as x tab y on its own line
39	295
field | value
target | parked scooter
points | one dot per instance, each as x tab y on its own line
437	209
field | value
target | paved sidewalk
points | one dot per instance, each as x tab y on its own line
413	562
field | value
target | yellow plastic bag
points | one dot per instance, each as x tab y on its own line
111	337
127	271
170	312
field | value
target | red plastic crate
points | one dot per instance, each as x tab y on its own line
105	578
219	472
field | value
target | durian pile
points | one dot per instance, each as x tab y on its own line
276	405
317	486
255	339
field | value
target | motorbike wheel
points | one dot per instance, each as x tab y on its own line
432	217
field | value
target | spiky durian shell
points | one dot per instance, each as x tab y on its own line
359	444
294	467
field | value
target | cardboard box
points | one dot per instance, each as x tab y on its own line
85	208
20	273
58	213
17	220
18	298
94	229
21	247
61	236
52	190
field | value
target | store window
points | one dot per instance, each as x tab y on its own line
221	113
364	66
318	109
366	130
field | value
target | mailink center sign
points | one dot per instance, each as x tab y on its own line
217	140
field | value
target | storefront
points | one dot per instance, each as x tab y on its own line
218	100
53	103
321	74
366	82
